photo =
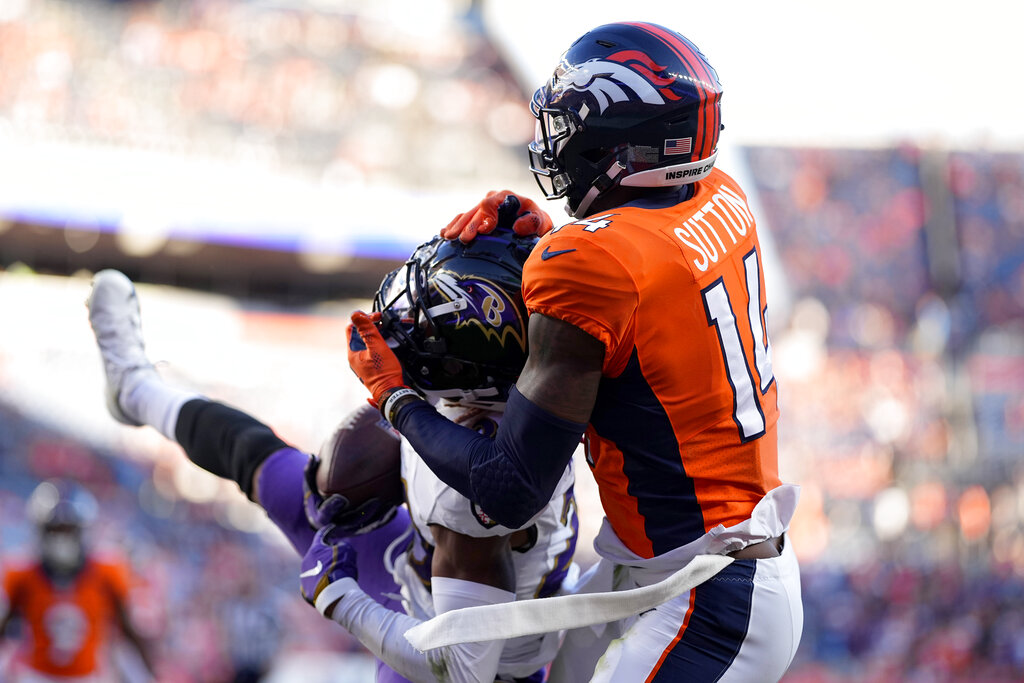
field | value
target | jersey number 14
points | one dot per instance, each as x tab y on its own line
747	411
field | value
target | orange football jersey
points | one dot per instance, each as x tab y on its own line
682	437
67	625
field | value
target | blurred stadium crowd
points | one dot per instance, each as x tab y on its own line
903	407
340	88
900	355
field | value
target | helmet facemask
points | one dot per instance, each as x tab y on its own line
554	127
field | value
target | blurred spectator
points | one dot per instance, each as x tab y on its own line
389	91
849	229
67	597
252	621
988	200
997	377
903	410
904	419
181	550
900	622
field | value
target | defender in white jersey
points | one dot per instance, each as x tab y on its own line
446	560
542	551
454	316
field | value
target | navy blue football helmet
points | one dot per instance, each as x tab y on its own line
455	318
62	511
629	105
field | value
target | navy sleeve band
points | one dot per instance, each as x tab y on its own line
511	476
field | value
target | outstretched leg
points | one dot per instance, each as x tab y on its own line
220	439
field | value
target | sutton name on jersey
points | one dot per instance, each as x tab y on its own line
725	212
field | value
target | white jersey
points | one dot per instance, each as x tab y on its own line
540	566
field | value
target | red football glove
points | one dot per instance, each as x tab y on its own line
528	218
374	363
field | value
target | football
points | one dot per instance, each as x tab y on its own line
362	459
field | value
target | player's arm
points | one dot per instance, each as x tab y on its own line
329	583
6	613
132	635
9	601
512	476
563	370
469	571
116	583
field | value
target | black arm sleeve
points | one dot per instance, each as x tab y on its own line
511	476
225	441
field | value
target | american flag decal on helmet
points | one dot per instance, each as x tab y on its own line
678	146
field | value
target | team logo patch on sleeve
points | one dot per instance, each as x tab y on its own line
485	519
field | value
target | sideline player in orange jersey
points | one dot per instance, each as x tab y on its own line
66	598
647	336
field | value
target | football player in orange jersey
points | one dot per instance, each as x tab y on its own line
67	598
647	338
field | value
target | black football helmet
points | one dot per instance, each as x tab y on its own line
454	315
629	105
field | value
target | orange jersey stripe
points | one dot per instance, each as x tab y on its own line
613	488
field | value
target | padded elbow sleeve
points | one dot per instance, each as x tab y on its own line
225	441
511	477
519	474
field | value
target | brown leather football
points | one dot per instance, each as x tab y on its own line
362	459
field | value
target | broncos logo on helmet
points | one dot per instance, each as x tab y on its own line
608	79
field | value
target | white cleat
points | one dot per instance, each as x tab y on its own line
114	316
